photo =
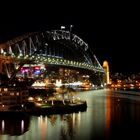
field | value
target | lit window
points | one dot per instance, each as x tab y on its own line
5	89
12	94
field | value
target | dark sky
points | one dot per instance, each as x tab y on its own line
112	31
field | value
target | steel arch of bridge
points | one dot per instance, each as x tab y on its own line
26	49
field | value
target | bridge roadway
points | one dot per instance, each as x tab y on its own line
59	61
49	60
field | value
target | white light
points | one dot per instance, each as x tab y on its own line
22	126
3	125
62	27
58	83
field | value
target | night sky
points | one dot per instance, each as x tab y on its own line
112	32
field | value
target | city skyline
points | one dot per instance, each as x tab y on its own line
49	86
111	34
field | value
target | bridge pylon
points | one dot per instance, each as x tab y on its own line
106	68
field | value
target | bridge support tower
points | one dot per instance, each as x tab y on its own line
106	68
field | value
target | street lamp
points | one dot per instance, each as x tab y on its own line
70	30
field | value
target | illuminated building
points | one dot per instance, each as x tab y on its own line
69	75
12	96
31	70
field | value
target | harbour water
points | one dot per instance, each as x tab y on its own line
109	115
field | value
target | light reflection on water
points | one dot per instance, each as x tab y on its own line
108	116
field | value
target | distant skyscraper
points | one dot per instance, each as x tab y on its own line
106	68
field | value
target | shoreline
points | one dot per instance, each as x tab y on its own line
65	109
128	92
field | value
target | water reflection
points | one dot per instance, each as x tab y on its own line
61	127
122	117
14	125
108	116
70	126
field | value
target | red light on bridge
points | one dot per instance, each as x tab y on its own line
37	68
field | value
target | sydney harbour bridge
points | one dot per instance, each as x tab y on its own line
55	48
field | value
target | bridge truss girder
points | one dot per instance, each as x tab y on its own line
31	48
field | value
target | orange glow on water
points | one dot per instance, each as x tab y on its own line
108	115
